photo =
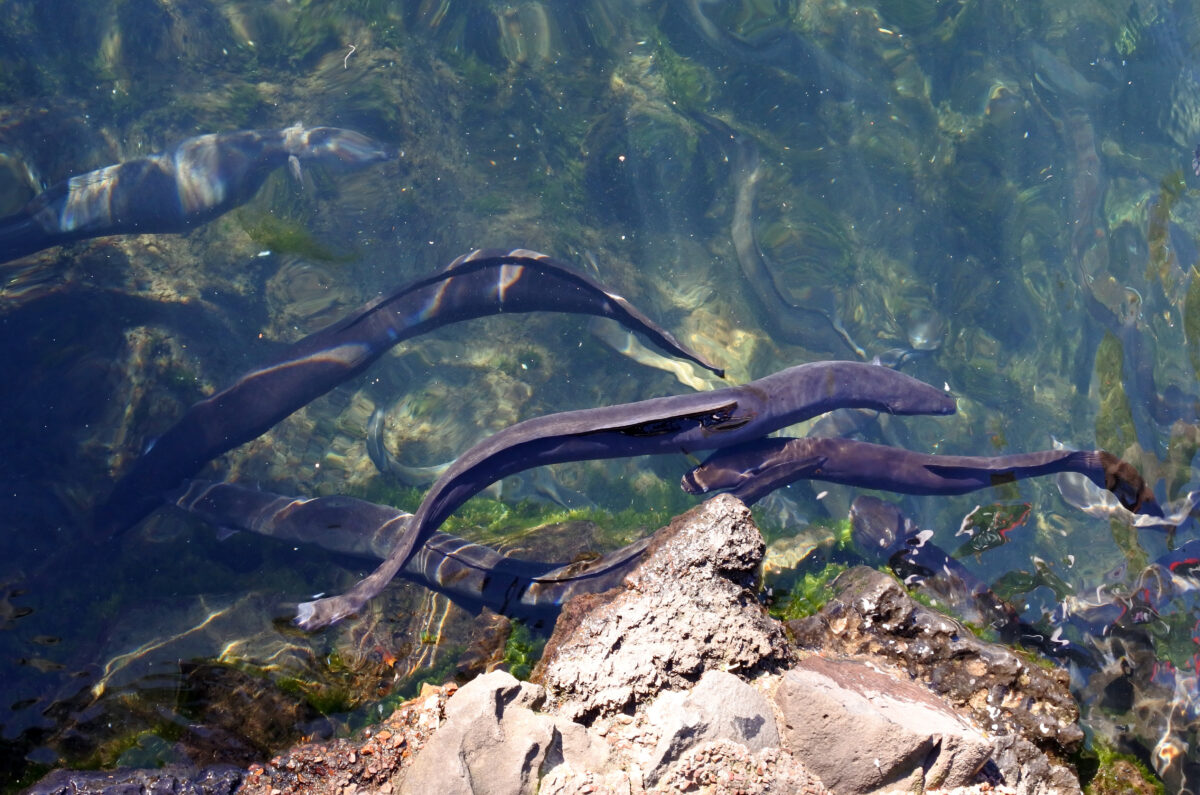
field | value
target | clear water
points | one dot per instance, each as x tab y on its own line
950	177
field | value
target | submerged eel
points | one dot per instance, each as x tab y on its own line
481	283
198	180
799	325
471	575
755	469
698	421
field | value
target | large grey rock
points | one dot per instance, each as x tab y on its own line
869	614
720	707
860	730
493	742
690	607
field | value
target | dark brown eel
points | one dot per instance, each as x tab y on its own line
484	282
198	180
755	469
471	575
682	423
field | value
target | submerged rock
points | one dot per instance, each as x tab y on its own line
172	780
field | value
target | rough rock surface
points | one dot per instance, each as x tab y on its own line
691	606
903	733
494	742
367	763
720	707
870	614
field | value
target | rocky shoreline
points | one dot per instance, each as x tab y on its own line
679	680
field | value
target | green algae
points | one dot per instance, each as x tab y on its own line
1191	319
1104	771
1163	262
522	650
1114	419
807	595
491	521
688	85
284	236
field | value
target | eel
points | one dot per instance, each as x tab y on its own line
883	534
815	329
198	180
483	282
1151	408
471	575
680	423
752	470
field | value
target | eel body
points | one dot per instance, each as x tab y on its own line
698	421
755	469
198	180
471	575
481	283
814	328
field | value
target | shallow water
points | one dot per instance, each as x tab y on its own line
957	178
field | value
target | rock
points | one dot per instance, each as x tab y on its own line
493	742
860	730
724	767
1028	771
489	634
870	614
368	763
690	607
720	707
171	780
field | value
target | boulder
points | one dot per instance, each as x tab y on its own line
720	707
691	606
870	614
493	742
860	730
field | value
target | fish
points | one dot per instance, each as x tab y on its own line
200	179
482	282
471	575
754	469
814	327
675	424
